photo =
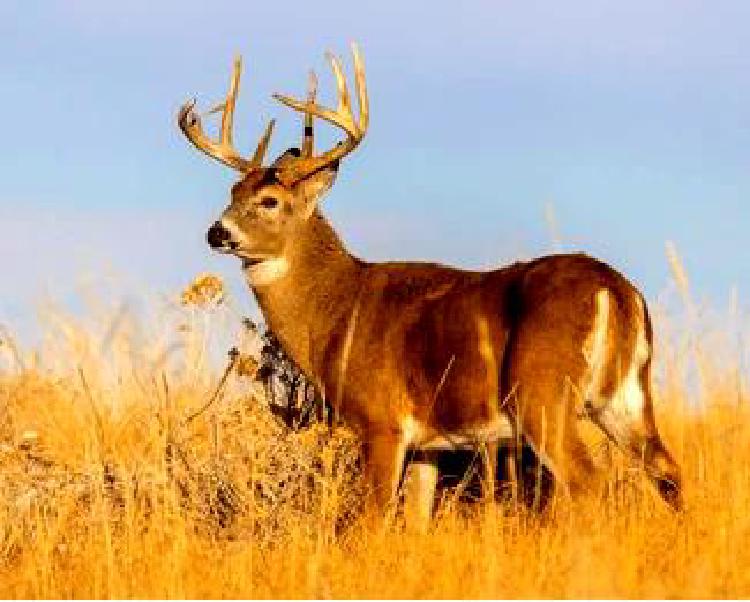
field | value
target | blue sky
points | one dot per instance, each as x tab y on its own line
630	119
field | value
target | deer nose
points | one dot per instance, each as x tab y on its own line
217	235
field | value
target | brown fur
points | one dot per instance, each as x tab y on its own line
415	348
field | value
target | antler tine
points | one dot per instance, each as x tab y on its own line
308	137
260	151
344	109
223	150
361	84
227	107
342	118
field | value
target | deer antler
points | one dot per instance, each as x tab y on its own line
342	117
308	139
222	150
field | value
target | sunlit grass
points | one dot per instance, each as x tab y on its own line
126	470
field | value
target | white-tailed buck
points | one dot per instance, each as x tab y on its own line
422	357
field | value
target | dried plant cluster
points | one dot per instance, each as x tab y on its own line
133	462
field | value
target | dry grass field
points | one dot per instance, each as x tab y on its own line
128	470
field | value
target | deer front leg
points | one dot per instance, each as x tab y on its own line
384	454
489	464
420	486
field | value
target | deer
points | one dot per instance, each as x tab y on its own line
419	357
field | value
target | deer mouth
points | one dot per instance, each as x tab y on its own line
251	262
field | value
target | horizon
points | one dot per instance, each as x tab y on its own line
630	122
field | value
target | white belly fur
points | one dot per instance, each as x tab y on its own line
419	438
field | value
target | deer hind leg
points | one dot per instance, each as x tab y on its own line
626	414
384	454
627	418
546	370
548	421
560	448
638	436
662	469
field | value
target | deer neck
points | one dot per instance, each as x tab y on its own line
306	294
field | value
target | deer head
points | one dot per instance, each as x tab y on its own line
270	205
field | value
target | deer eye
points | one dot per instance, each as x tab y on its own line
269	202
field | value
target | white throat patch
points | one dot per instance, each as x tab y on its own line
267	271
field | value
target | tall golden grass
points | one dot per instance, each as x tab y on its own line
127	471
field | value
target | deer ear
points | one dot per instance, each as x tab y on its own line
314	187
